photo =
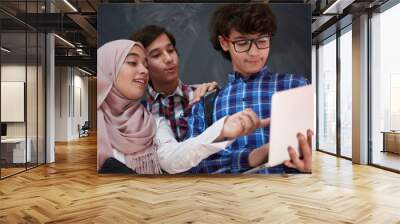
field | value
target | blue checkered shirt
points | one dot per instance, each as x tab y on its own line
254	92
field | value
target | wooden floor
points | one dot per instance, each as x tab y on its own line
387	159
70	191
5	172
8	171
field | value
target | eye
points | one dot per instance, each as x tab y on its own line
132	63
262	41
242	42
171	50
155	55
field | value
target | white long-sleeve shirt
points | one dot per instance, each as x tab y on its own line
177	157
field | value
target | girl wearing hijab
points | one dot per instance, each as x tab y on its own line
128	133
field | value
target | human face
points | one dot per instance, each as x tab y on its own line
133	75
249	62
163	61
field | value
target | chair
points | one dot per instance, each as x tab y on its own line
84	130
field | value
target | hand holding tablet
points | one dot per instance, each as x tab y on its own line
292	122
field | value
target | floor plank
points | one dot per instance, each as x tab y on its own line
387	159
70	191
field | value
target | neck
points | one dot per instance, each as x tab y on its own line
166	88
246	76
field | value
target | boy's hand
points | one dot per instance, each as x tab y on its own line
302	164
202	90
242	123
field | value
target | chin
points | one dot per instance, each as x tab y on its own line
136	96
172	78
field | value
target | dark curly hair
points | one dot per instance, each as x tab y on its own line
244	18
147	34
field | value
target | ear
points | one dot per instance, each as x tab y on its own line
224	44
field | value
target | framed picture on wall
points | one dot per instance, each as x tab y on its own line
12	101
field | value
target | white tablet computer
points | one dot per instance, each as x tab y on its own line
292	111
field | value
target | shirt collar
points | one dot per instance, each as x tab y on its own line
154	94
233	76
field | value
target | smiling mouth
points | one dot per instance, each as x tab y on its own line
140	82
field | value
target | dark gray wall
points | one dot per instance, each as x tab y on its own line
199	62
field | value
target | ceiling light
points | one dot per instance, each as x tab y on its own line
5	50
86	72
71	6
337	7
65	41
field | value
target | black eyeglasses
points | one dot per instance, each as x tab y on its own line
245	45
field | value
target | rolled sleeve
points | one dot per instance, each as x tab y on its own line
240	160
196	123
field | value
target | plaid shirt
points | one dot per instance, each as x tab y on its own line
174	107
255	93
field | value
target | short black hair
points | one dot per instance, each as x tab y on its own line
147	34
244	18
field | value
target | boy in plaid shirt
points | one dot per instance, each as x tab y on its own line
242	34
167	96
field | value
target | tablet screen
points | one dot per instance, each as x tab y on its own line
292	111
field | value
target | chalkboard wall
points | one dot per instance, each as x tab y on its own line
188	22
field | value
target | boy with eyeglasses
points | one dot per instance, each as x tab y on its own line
242	34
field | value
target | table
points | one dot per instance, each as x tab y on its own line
391	141
13	150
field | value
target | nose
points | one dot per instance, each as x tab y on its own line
167	57
143	70
253	49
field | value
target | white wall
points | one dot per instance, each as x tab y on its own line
61	103
81	83
70	83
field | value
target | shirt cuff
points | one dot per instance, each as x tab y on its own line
209	136
240	161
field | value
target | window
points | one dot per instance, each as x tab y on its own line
385	87
346	92
22	65
327	96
